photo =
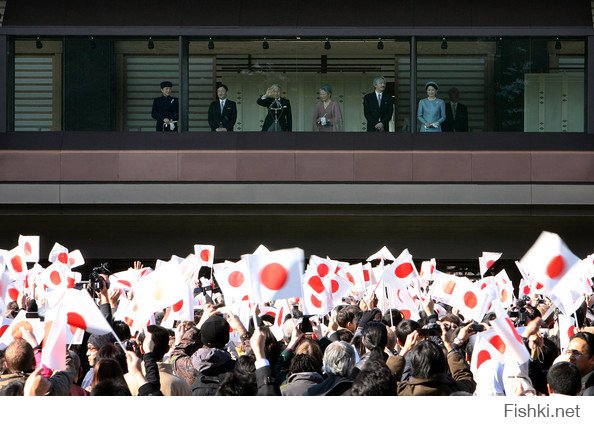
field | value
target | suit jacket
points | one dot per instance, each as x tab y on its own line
165	107
284	115
226	119
375	113
460	123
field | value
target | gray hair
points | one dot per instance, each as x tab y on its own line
288	327
378	79
339	359
275	85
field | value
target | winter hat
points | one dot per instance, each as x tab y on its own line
215	332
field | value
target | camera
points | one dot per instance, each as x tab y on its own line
521	312
305	325
130	345
430	330
96	281
477	328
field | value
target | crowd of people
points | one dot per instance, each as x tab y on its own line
434	115
356	349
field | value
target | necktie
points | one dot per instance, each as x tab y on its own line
379	99
222	106
454	105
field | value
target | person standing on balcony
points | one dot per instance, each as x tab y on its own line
279	117
456	113
378	107
431	112
327	116
222	113
166	109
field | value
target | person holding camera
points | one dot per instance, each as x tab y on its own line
327	116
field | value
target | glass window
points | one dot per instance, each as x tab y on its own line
501	84
300	67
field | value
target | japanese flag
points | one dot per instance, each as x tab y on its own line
487	346
398	294
505	288
59	253
443	287
4	323
125	280
30	246
368	275
276	275
81	312
487	260
404	267
233	280
75	259
512	341
55	275
317	297
382	254
428	269
470	300
323	267
262	249
204	254
548	261
160	289
15	261
354	275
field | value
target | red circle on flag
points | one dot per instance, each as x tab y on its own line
350	277
17	264
432	269
483	285
28	249
571	331
71	261
314	301
16	330
448	288
526	289
490	263
177	307
3	329
556	267
335	286
513	329
497	343
76	320
55	277
404	270
126	283
315	282
366	275
322	269
205	255
470	299
482	357
504	295
71	282
235	279
63	257
405	313
13	293
274	276
539	286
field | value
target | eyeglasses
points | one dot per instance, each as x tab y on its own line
575	353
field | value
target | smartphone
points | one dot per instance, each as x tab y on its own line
306	325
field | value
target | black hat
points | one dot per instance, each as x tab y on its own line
166	84
215	332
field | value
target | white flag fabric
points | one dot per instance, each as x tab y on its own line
505	288
34	325
404	267
428	268
233	280
276	275
317	296
125	280
204	254
15	261
4	323
487	346
470	300
566	330
30	245
381	254
81	312
75	259
53	355
505	329
354	275
58	253
487	260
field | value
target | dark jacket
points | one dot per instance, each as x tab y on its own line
165	107
299	383
460	123
461	379
331	386
208	366
227	119
374	113
282	113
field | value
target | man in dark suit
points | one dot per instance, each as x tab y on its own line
166	109
378	107
456	113
222	113
279	117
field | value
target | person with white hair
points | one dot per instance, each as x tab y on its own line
338	364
